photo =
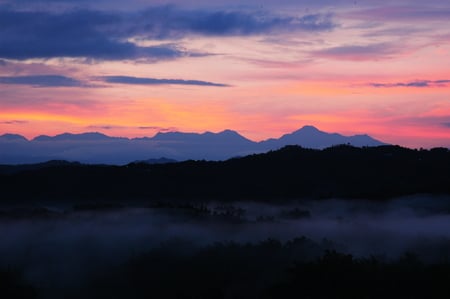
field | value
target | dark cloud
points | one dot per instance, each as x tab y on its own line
45	35
442	81
168	22
420	83
357	52
106	36
42	81
76	34
153	81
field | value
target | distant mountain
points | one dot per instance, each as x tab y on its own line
90	136
311	137
227	137
12	137
98	148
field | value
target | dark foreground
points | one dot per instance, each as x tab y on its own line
268	269
262	226
292	172
331	249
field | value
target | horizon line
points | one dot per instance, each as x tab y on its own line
180	131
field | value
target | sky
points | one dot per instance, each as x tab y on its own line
263	68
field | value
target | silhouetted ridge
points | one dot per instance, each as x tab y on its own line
161	160
341	171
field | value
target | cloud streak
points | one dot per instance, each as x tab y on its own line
153	81
158	128
402	13
357	52
419	83
63	81
144	128
13	122
42	81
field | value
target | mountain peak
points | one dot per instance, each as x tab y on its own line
306	130
228	132
309	128
311	137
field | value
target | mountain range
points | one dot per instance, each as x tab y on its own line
97	148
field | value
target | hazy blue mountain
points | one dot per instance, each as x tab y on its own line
95	148
12	137
205	146
311	137
227	136
90	136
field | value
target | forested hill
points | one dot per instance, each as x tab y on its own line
289	173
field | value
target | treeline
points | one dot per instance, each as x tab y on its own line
289	173
300	268
271	269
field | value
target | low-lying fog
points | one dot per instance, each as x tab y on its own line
62	244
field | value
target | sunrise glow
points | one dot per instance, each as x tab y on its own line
365	67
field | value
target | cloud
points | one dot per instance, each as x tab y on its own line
419	83
118	127
435	121
441	81
42	81
157	128
104	127
75	34
13	122
27	34
153	81
169	22
115	127
402	13
357	52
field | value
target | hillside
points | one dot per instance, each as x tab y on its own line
291	172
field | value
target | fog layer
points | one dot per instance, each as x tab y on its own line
64	245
